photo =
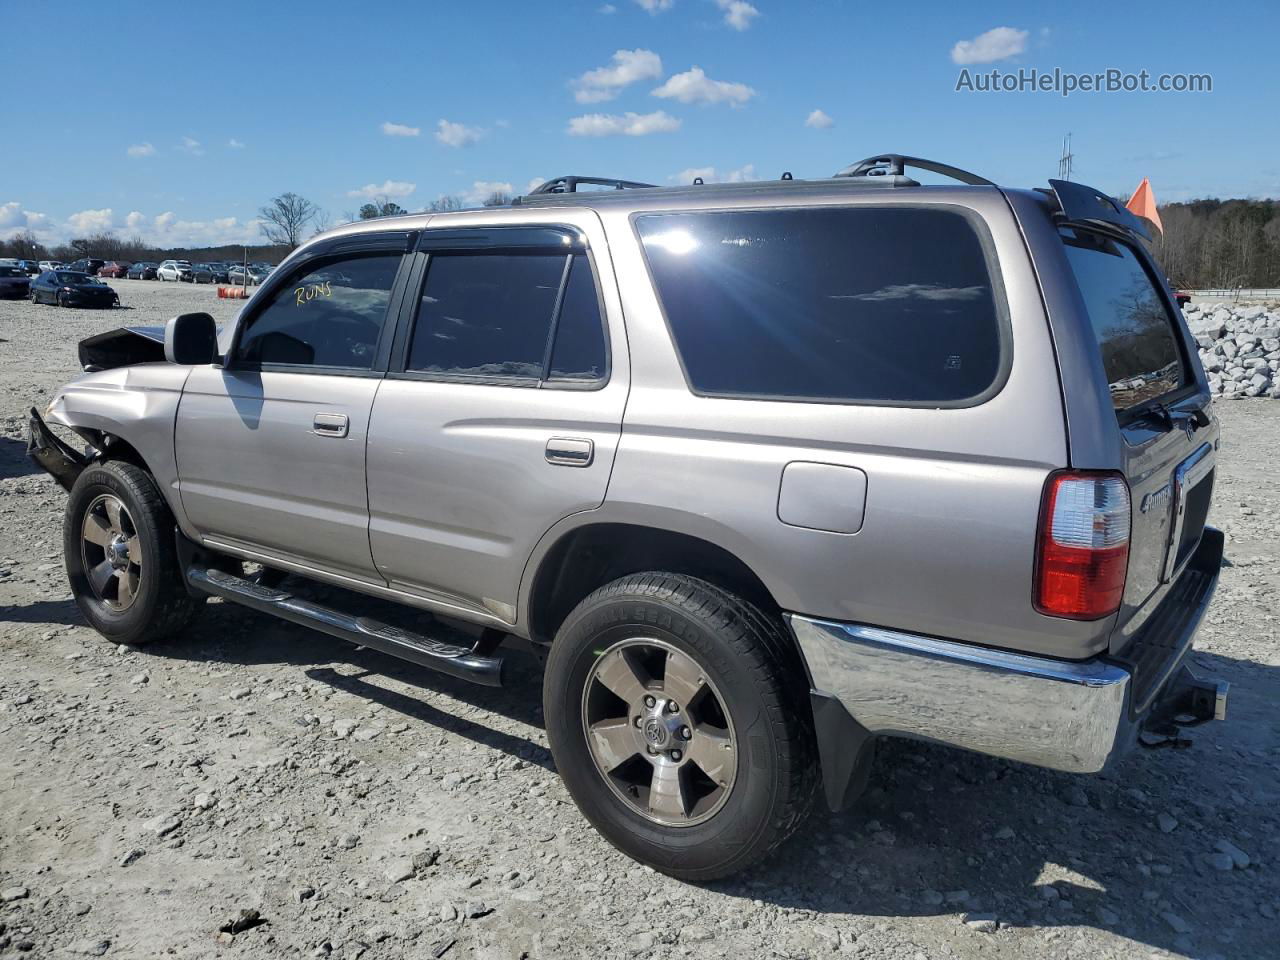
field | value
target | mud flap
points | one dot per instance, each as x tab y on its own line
52	455
845	750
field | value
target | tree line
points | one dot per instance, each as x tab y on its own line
1205	243
1220	243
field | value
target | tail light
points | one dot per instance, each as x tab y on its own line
1083	545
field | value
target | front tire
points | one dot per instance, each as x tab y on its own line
678	718
121	557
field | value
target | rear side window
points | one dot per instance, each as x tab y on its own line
519	316
330	315
859	305
1134	328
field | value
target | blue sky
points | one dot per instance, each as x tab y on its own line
178	127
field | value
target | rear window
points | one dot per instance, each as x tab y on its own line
862	305
1133	327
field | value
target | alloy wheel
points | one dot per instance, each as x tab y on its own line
659	732
111	551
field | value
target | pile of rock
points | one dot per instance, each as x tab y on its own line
1239	347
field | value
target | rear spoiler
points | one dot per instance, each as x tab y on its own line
1087	206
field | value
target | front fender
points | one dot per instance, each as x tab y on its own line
137	405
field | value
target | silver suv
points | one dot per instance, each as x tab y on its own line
765	472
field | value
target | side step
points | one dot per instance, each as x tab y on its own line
451	658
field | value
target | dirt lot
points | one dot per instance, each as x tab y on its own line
367	807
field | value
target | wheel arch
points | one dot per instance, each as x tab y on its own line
590	554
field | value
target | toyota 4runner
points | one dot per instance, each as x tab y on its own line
766	471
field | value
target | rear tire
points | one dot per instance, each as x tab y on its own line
121	555
705	762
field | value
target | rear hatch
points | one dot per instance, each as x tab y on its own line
1170	435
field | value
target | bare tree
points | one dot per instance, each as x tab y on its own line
81	246
323	221
497	199
446	203
286	218
24	245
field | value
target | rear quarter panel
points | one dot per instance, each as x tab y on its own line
946	546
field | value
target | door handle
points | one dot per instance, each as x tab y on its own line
330	425
570	451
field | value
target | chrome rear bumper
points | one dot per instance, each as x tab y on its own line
1075	716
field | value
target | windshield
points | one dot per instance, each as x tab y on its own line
11	272
1134	328
77	278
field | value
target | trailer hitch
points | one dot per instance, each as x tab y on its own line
1187	701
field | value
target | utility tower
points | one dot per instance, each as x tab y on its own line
1066	160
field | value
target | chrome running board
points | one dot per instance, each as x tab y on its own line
451	658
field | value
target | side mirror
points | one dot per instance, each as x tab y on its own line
191	339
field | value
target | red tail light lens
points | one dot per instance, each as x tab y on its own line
1083	552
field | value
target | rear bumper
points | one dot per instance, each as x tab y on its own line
1076	716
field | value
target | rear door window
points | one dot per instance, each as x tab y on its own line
878	305
520	316
1133	326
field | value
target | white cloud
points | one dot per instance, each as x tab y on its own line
997	44
605	83
482	190
391	189
192	146
135	220
708	175
694	86
655	6
630	124
14	219
235	144
399	130
166	230
819	120
90	221
743	174
608	8
141	150
457	134
738	14
534	184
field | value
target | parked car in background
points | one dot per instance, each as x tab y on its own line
14	282
70	288
50	265
143	270
89	265
174	270
247	276
114	269
209	273
31	267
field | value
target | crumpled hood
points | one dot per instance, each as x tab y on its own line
126	346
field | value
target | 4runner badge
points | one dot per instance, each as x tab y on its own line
1157	498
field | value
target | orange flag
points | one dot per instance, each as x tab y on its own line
1143	203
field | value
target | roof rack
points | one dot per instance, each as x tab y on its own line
895	164
570	184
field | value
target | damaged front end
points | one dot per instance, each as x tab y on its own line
52	454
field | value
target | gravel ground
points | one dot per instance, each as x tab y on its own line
367	807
